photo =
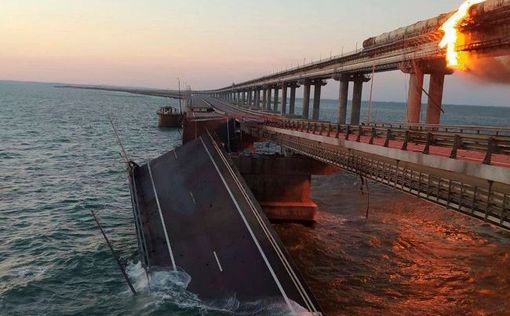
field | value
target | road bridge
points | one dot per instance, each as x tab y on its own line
463	168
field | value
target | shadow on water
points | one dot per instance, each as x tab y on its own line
409	257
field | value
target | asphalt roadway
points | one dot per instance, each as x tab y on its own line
197	214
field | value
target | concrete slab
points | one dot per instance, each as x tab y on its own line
198	214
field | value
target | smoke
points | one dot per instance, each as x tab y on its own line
489	69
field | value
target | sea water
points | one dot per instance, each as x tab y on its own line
59	159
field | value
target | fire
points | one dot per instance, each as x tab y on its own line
452	36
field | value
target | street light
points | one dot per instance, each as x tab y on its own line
179	84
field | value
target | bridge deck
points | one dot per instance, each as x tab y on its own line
196	213
465	183
473	146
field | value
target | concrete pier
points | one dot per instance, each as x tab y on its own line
257	98
275	103
250	92
342	100
306	100
414	97
264	99
435	101
292	100
356	101
281	185
268	99
284	99
317	99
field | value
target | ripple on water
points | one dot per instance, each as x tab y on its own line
409	258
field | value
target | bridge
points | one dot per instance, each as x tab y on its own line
205	207
413	50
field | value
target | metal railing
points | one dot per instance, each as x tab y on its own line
476	197
487	140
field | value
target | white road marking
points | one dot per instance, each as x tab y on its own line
175	154
192	197
282	257
161	216
269	267
217	261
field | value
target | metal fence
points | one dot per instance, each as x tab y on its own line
476	197
487	140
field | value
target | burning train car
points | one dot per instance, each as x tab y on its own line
493	11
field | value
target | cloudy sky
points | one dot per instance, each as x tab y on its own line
208	44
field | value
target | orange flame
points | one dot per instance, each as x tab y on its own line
452	35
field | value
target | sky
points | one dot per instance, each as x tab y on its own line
207	43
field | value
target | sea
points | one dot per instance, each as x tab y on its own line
59	160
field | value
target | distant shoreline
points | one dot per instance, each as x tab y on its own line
174	94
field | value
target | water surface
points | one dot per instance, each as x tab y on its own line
59	160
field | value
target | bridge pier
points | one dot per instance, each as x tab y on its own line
268	100
292	100
435	101
342	99
264	99
414	96
317	99
284	99
437	71
356	100
282	185
306	100
257	98
275	103
249	92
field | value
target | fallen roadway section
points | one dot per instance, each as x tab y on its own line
194	212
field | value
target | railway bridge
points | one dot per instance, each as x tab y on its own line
414	50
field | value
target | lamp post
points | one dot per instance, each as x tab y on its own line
179	85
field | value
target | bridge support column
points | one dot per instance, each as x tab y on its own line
275	103
356	101
292	100
257	98
343	95
435	102
414	97
284	99
250	92
264	99
282	185
268	99
317	99
238	98
306	100
243	98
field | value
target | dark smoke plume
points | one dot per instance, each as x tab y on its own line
489	69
